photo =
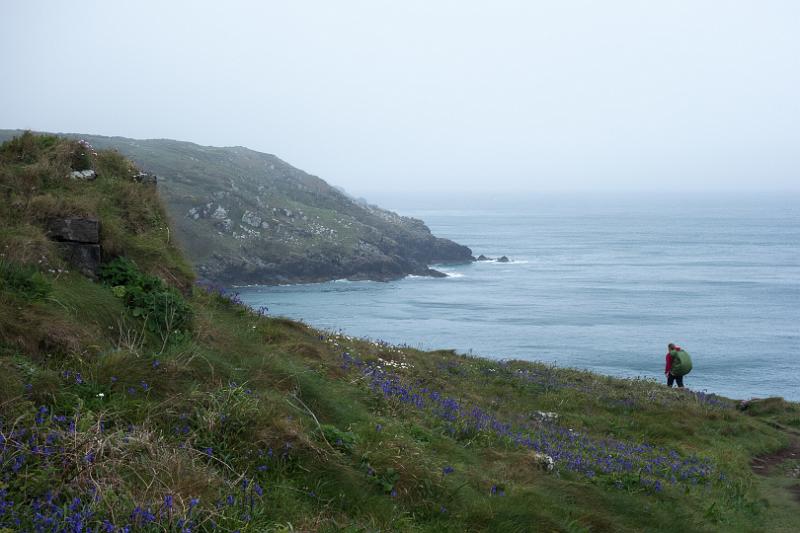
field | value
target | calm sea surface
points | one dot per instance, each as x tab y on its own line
602	284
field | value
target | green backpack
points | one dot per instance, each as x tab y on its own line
681	363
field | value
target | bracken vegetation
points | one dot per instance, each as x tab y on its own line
143	401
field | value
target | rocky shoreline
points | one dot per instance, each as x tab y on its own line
319	268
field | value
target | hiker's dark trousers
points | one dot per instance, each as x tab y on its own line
676	379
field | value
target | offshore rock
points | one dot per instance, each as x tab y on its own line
145	178
503	259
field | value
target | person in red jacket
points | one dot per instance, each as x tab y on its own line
670	378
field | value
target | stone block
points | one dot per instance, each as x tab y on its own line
82	257
82	230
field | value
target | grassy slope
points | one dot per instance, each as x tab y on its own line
256	423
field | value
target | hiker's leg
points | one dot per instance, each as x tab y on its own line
679	379
670	379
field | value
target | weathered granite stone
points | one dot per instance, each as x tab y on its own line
541	461
220	213
87	175
251	219
81	230
84	258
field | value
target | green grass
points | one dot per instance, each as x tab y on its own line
243	398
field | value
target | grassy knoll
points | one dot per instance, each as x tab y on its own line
144	402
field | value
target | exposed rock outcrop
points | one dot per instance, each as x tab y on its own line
79	242
87	175
146	178
79	230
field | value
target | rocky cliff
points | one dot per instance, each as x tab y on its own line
248	217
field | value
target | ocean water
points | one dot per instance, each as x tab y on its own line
596	283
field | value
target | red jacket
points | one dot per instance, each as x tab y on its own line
669	361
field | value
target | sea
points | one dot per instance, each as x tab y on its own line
597	282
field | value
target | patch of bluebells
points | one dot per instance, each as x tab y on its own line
70	375
46	446
220	291
624	464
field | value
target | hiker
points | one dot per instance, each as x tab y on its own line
678	365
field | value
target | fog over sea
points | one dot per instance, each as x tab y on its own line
596	282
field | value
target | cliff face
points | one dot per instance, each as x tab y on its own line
247	217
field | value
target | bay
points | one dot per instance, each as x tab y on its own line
595	282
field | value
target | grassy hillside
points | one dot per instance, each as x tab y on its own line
144	402
247	217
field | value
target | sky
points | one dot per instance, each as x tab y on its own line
430	95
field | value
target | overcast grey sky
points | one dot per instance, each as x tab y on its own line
430	95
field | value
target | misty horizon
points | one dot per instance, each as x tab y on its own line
376	97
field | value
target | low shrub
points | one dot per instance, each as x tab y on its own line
80	156
164	310
26	148
24	281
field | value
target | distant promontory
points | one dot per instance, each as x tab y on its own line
246	217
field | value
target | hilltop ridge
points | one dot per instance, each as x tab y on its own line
244	217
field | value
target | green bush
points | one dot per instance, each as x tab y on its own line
24	281
163	308
26	148
342	440
80	156
110	163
